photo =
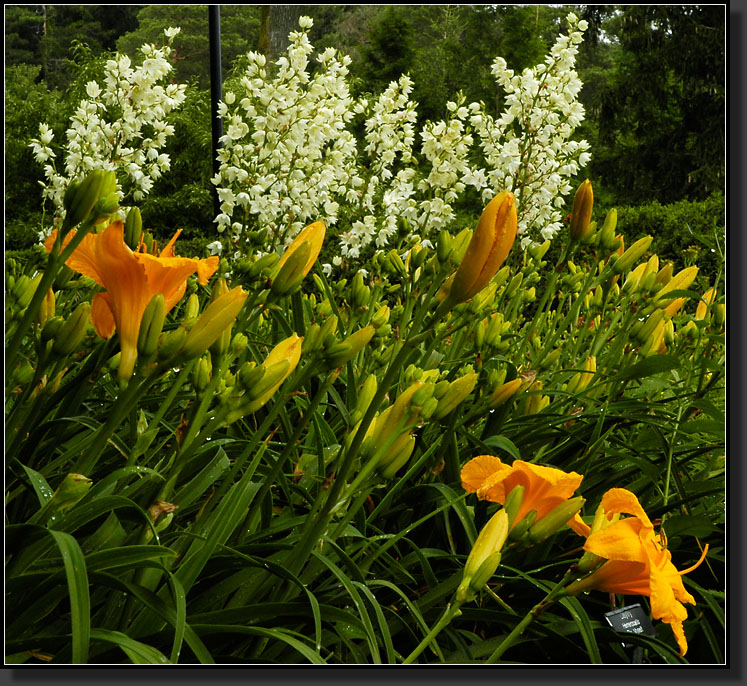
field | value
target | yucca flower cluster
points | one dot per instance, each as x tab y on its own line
288	156
122	126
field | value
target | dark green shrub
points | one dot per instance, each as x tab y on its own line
684	232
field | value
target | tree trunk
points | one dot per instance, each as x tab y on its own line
276	22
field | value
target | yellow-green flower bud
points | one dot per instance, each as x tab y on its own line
681	281
457	392
238	344
263	265
290	272
538	251
556	518
443	246
133	227
46	309
630	285
380	317
485	556
514	284
170	343
312	340
654	341
192	308
201	374
513	503
583	203
665	274
504	392
719	314
71	491
218	316
518	531
632	255
607	234
151	326
72	332
80	200
650	325
288	350
339	354
397	456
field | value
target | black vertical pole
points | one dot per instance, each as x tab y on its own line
216	92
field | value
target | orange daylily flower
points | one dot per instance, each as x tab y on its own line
130	280
545	488
637	563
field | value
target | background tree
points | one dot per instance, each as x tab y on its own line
239	34
661	120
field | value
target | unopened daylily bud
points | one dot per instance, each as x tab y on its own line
719	314
133	227
24	290
81	198
365	396
201	374
50	328
443	246
607	234
538	251
485	556
708	297
312	341
72	489
674	307
290	271
665	274
513	503
313	234
522	526
669	332
632	254
238	344
171	342
192	308
288	350
380	317
249	374
457	392
653	343
46	309
514	284
504	392
360	292
487	250
327	332
397	456
633	279
218	316
551	522
263	264
583	203
650	325
151	325
339	354
270	378
72	332
680	281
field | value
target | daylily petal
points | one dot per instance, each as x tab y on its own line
620	541
83	259
477	470
620	500
101	315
